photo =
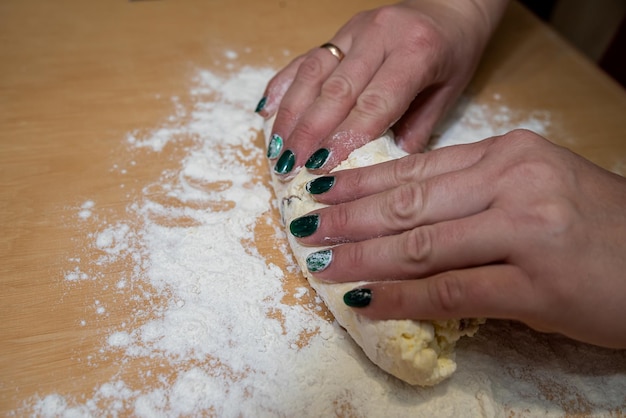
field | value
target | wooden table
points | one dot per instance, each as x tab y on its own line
76	77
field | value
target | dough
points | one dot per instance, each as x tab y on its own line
418	352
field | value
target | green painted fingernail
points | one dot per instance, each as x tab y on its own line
285	163
319	260
317	159
304	226
275	146
320	185
261	104
358	298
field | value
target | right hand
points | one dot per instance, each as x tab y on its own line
512	227
404	65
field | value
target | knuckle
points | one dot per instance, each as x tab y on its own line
520	140
545	207
354	183
555	218
372	104
424	38
285	117
405	170
304	131
418	246
311	69
534	170
338	88
527	161
403	205
446	292
525	136
382	16
354	257
339	221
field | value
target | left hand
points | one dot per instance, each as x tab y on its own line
404	65
512	227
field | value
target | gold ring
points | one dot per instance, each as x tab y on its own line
334	49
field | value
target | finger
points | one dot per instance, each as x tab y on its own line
312	71
476	240
495	291
385	99
277	87
445	197
347	185
414	129
337	96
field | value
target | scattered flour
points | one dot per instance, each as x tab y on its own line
113	239
469	122
213	309
85	211
75	274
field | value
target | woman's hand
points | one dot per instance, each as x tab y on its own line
511	227
404	65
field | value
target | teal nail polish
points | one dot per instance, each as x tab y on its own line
261	104
320	185
275	146
304	226
358	298
285	163
317	159
319	260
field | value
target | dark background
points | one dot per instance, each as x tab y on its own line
597	28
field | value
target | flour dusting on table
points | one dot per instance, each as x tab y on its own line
213	330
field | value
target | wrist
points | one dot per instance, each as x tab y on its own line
482	16
490	12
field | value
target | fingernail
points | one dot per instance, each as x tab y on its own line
261	104
317	159
320	185
358	298
275	146
304	226
285	163
319	260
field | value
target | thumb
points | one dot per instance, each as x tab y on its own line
414	129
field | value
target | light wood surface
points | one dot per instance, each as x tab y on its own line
76	76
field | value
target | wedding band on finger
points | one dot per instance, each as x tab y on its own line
334	49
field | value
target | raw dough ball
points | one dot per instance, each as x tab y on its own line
418	352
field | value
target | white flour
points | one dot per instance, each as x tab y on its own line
211	331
